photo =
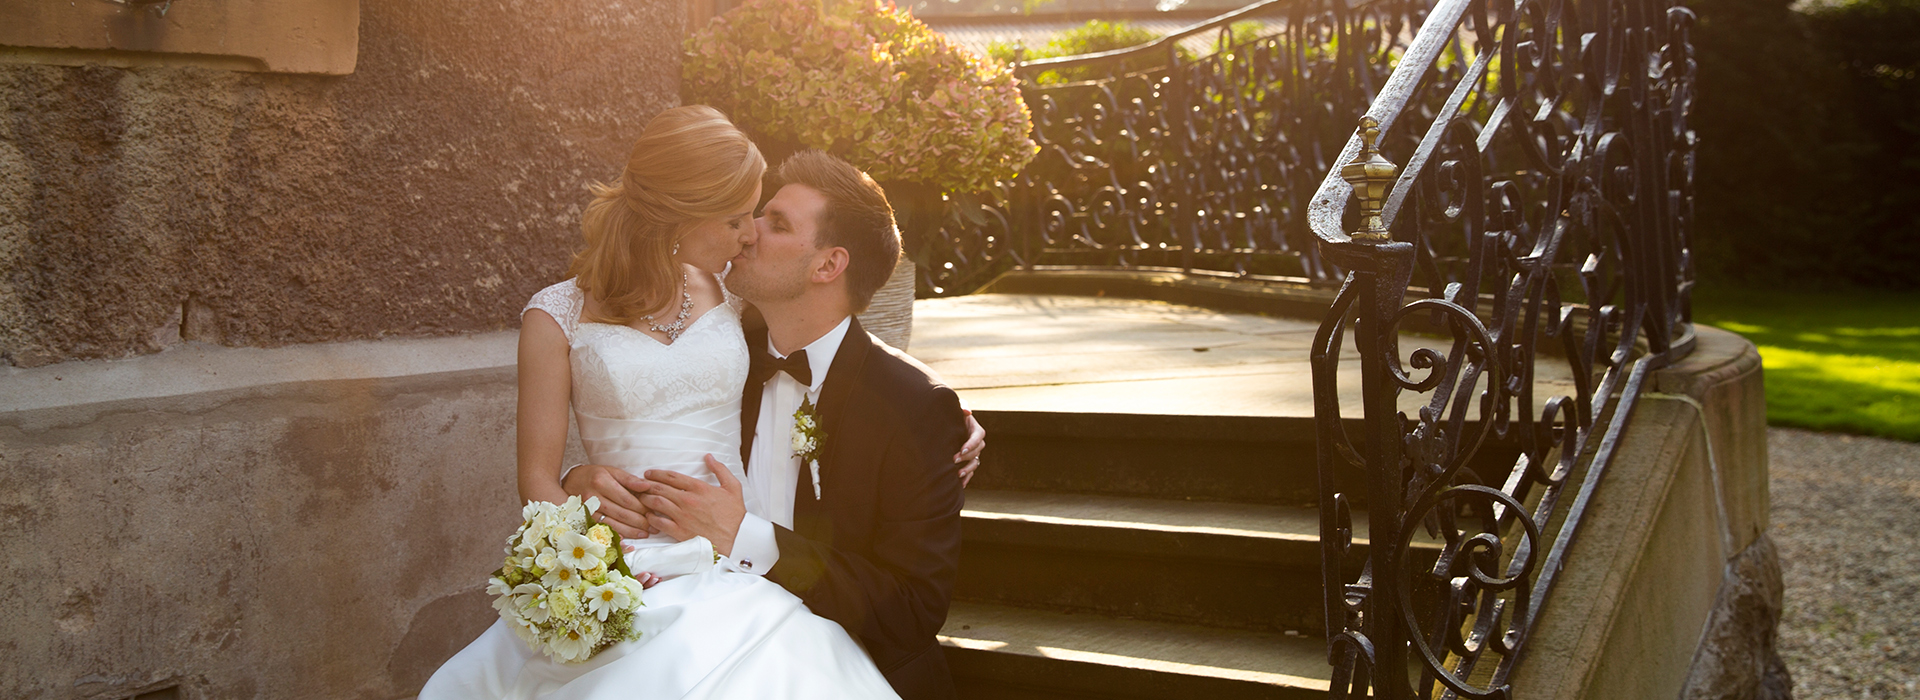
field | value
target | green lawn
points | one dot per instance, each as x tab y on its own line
1840	362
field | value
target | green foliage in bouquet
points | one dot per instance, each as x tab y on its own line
864	81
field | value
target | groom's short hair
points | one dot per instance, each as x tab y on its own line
857	218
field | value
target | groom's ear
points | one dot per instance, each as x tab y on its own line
829	265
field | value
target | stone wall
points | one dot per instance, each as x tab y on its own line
429	192
314	521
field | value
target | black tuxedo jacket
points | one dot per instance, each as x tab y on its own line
879	550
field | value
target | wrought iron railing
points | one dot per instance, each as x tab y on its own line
1542	216
1155	157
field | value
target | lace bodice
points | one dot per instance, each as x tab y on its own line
623	373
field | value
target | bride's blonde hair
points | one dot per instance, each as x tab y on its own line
690	165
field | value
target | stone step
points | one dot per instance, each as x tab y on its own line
1246	459
1224	458
1233	564
1242	565
1009	653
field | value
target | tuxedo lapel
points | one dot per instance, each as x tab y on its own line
750	399
842	376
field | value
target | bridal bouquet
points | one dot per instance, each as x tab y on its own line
565	589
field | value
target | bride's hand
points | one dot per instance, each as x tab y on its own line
620	508
969	456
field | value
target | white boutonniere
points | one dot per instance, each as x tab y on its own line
807	438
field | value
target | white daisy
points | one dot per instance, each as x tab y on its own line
502	594
561	577
578	551
524	628
575	643
574	513
606	598
531	599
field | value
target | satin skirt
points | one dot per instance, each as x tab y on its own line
707	633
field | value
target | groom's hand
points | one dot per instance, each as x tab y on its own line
682	506
620	507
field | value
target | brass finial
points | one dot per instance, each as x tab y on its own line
1370	174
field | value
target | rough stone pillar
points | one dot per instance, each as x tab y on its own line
1738	659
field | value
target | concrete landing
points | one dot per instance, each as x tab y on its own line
1021	352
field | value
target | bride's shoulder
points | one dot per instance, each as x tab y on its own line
563	302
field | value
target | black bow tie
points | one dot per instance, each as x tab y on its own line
764	365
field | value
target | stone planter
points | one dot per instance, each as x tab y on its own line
890	316
917	211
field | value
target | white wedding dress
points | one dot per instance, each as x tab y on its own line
642	404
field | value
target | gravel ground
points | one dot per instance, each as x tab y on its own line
1846	517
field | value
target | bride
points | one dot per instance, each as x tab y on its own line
645	345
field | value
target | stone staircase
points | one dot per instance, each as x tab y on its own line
1123	556
1141	556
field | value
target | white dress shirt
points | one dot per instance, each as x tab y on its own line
773	470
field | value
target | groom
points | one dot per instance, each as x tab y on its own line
871	539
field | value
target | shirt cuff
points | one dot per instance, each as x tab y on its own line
754	551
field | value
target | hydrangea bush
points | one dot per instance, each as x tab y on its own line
866	82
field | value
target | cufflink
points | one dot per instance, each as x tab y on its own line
746	564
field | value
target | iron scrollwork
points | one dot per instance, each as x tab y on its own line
1542	216
1153	157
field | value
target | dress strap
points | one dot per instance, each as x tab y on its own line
733	301
564	302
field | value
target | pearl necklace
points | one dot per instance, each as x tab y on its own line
679	325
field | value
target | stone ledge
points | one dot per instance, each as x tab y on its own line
299	36
195	375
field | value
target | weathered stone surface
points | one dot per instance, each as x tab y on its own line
1661	535
432	191
320	533
1726	378
1738	659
